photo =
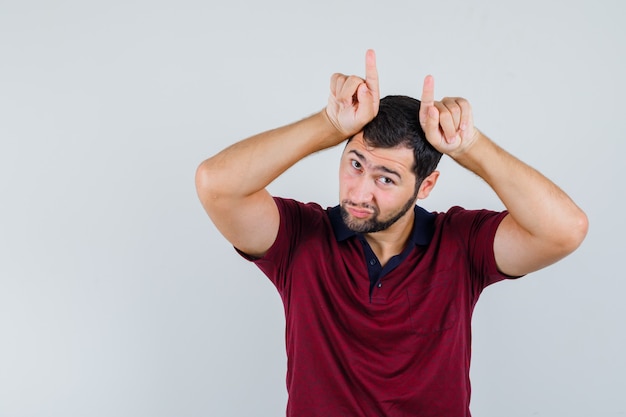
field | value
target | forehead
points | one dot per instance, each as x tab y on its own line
396	158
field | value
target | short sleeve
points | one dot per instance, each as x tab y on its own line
297	221
476	230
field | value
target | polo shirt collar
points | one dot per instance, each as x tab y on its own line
423	226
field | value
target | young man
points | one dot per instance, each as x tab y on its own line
379	293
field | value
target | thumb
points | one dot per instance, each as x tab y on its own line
429	119
367	108
362	94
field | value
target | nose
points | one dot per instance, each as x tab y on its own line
361	191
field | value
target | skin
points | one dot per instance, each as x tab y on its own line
543	224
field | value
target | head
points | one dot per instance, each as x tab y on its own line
387	167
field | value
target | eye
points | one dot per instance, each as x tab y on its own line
386	180
356	164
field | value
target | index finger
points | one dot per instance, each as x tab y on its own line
428	91
428	98
371	73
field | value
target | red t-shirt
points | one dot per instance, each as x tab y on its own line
396	346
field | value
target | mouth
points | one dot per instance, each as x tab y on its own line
358	212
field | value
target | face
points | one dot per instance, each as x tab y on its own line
377	186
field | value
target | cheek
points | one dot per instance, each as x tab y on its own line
345	182
347	174
392	200
384	201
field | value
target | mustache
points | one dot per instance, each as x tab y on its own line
366	206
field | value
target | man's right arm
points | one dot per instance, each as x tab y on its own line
232	184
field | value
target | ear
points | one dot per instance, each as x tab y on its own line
427	185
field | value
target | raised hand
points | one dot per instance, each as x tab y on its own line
448	124
354	101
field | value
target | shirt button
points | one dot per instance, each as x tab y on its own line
372	261
380	284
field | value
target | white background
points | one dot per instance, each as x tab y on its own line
119	298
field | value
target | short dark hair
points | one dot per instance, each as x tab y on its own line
397	123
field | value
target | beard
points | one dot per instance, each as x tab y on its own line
375	223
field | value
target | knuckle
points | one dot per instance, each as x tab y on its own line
355	79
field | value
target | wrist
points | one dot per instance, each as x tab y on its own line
481	156
330	130
471	151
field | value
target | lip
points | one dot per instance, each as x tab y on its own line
358	212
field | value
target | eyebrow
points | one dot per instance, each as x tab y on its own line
376	167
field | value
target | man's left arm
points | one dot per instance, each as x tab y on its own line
543	224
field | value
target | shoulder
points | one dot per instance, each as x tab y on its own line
300	220
458	216
470	235
303	227
468	225
293	210
289	204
